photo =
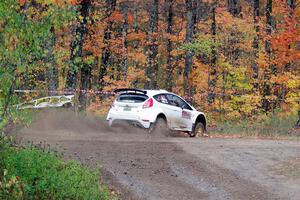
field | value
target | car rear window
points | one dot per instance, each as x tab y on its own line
132	98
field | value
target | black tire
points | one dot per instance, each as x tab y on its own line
67	105
160	127
198	130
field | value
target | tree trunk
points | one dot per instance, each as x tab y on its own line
8	96
267	74
234	7
213	62
52	70
188	39
152	65
292	4
74	79
85	85
169	81
195	5
105	57
77	43
135	25
125	41
256	16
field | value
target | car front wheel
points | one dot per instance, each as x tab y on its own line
198	130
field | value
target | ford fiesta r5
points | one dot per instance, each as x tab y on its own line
156	110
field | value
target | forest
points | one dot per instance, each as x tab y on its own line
234	59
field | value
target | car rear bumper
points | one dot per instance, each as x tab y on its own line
138	118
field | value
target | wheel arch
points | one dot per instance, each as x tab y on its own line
201	118
161	115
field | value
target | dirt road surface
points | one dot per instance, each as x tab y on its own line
143	166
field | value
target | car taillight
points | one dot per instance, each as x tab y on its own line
148	103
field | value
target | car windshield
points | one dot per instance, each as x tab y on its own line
132	98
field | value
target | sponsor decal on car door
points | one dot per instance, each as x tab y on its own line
186	114
186	119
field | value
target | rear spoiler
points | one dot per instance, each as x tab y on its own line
127	90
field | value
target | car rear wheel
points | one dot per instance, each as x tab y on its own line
198	130
159	127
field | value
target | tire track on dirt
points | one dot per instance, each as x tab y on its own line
156	170
145	167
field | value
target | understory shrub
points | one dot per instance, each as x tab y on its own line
30	173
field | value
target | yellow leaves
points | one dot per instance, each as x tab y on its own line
263	60
177	52
293	82
199	76
60	3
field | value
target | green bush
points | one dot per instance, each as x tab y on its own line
30	173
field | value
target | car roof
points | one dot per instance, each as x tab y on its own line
155	92
142	91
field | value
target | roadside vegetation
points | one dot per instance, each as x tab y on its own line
31	173
238	62
264	126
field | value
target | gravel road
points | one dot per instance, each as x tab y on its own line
143	166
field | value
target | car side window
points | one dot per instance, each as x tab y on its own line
176	101
161	98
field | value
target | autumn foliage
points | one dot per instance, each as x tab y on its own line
104	45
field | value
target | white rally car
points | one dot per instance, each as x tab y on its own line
156	110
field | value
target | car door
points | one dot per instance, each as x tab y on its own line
172	113
184	119
175	103
186	115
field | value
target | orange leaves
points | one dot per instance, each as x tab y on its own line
116	17
284	42
22	2
130	18
172	38
263	61
138	57
136	36
281	78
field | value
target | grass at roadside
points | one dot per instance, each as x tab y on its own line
31	173
274	126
